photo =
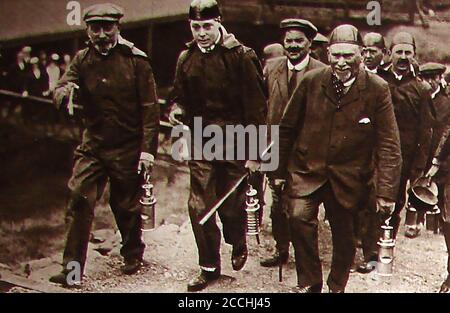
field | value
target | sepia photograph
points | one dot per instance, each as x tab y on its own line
245	148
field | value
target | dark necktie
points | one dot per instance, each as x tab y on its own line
338	86
292	82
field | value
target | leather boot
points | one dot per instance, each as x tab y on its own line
201	282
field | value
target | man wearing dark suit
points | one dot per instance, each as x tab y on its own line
440	166
368	222
374	52
282	76
17	74
339	119
433	74
414	113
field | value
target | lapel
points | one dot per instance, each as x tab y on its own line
281	77
311	64
352	95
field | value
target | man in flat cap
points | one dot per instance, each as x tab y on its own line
273	50
374	52
319	48
414	113
433	73
219	80
440	162
338	123
116	88
282	76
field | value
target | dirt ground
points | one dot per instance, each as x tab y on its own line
32	227
172	257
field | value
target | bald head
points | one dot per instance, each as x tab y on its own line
374	50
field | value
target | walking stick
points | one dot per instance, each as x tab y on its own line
225	197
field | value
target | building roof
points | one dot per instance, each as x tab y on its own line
29	19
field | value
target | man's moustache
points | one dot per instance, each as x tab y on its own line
294	50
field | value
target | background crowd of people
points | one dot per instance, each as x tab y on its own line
34	73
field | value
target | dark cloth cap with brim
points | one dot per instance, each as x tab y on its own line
201	10
320	39
432	69
346	34
403	38
375	40
303	25
106	12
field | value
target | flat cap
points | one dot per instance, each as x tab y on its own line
201	10
403	38
375	40
432	68
273	50
346	34
305	26
320	39
108	12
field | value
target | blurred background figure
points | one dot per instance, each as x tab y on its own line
53	71
65	64
319	48
17	74
273	50
37	80
424	8
27	54
43	59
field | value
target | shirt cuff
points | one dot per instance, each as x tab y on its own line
147	156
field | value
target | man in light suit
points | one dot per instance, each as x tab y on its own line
282	76
339	121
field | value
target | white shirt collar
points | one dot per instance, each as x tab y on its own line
399	77
210	48
374	71
300	66
37	73
350	82
433	95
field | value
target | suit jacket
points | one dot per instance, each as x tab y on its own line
276	76
223	87
414	112
323	139
17	77
37	86
118	95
